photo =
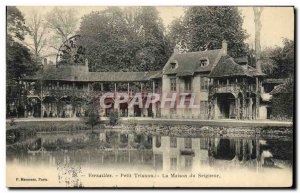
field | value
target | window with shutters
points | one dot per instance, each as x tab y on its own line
204	82
173	84
188	84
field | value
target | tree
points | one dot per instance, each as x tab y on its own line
113	117
38	30
279	62
257	13
93	115
155	48
283	100
206	27
267	64
177	31
107	40
16	27
284	60
18	61
130	39
63	22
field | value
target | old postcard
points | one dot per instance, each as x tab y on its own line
147	96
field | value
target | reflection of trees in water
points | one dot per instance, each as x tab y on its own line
280	149
247	153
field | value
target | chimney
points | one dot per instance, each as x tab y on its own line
45	62
86	62
224	47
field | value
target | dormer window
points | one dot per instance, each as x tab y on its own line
173	65
203	62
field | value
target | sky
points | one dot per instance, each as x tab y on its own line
277	22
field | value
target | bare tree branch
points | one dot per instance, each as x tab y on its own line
38	29
63	22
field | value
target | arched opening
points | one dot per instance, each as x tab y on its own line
33	107
225	106
50	107
110	102
124	109
79	107
137	111
66	109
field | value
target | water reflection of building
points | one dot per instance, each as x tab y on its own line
183	154
167	153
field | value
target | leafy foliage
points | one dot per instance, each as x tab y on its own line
124	39
93	115
282	106
283	102
280	61
113	117
206	27
16	27
18	58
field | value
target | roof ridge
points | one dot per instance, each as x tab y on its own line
199	51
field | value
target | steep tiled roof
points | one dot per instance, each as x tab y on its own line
180	74
254	72
228	67
51	72
241	60
121	76
156	75
190	62
81	73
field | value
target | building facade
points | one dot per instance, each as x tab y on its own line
219	86
67	91
222	87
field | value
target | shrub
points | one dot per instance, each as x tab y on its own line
113	117
93	118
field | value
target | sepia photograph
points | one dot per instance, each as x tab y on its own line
150	96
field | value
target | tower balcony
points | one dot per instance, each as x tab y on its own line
233	88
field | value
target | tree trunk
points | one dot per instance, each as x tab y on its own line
257	13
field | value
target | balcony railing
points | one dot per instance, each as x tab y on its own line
227	88
85	91
234	88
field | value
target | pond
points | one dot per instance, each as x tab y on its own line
112	156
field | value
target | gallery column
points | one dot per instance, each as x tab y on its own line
153	106
250	108
257	98
237	107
